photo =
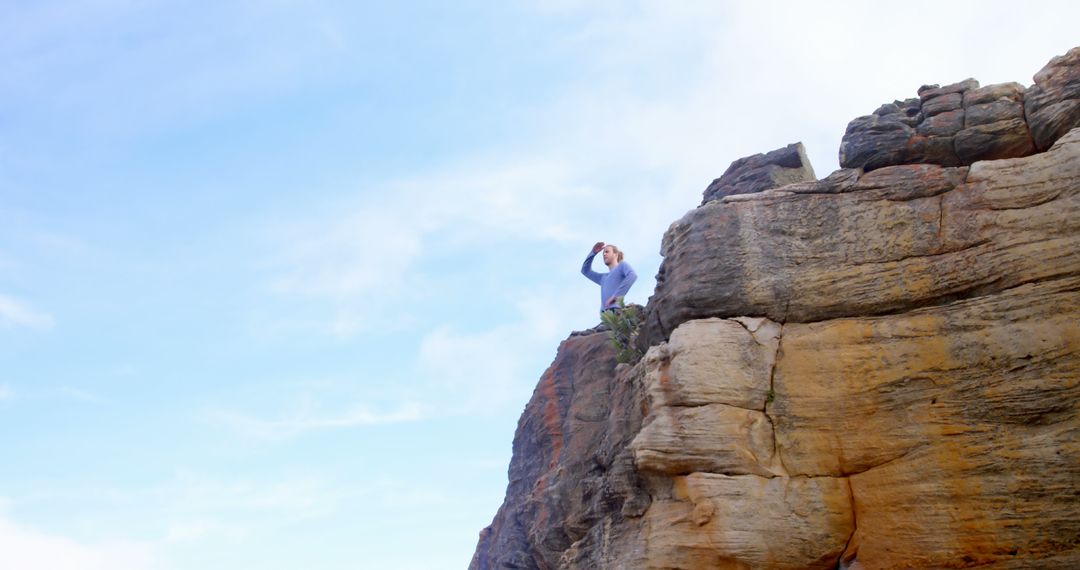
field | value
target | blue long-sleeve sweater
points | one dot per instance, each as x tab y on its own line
613	284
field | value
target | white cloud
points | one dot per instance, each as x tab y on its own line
481	369
456	372
398	495
14	312
484	370
294	496
25	548
307	419
673	95
80	395
198	529
688	88
668	97
366	259
363	252
367	244
66	59
52	393
194	509
201	507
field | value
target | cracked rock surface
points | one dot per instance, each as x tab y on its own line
884	242
877	370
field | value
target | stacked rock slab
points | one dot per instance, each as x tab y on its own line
962	123
1052	105
762	172
880	369
891	240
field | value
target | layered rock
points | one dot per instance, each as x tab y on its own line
880	369
962	123
890	240
1052	105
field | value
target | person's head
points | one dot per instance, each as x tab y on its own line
612	255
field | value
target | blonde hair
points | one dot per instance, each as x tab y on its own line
614	249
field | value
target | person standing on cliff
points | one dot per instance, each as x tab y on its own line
616	282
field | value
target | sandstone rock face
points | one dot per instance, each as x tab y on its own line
957	425
717	521
707	389
891	240
761	172
877	370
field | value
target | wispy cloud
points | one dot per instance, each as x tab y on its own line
453	371
360	253
308	420
69	58
198	529
201	496
363	255
14	312
69	393
203	507
80	395
24	547
469	372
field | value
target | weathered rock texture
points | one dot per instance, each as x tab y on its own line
880	369
891	240
963	123
572	471
1052	105
761	172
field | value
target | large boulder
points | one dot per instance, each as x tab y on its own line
761	172
914	131
994	125
1053	103
962	123
881	139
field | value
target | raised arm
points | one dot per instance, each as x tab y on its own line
586	269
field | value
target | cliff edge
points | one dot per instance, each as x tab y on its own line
878	369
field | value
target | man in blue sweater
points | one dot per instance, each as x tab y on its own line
616	282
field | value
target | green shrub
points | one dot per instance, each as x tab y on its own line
623	326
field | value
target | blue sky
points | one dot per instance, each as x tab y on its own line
278	277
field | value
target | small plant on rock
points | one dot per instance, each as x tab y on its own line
623	325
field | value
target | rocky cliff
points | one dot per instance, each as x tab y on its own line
878	369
